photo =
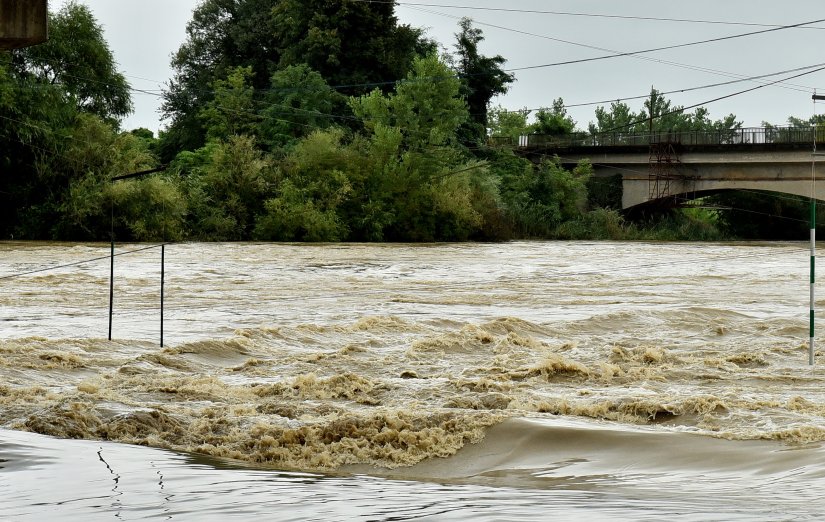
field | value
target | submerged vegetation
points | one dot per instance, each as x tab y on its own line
341	125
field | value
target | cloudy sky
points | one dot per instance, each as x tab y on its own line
144	33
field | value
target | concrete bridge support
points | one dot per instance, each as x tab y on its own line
788	172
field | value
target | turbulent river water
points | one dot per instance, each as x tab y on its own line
516	381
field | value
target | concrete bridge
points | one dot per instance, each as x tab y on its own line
673	168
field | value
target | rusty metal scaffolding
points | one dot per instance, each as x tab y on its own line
665	181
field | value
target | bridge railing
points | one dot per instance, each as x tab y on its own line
747	135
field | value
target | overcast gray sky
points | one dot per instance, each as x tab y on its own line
144	33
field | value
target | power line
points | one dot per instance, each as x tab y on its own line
351	118
676	91
78	263
614	54
577	14
819	68
682	109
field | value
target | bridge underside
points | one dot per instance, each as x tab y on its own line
788	173
637	192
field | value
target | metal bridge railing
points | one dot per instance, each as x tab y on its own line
747	135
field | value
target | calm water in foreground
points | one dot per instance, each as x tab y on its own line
518	381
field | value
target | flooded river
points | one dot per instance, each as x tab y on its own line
515	381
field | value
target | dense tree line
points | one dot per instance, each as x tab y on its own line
657	115
319	120
309	121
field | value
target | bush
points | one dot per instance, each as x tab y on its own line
601	223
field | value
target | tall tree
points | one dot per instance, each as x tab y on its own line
553	121
298	99
232	111
424	178
507	124
347	42
51	95
35	121
666	117
222	35
620	117
77	58
482	78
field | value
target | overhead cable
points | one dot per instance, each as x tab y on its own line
615	54
576	14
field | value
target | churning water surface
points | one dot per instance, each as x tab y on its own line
510	381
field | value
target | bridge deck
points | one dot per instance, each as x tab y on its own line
767	159
750	137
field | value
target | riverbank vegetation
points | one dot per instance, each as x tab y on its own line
312	121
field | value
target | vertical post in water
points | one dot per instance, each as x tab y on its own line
111	284
112	261
813	234
162	277
813	279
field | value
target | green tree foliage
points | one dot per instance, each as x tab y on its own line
311	189
620	118
600	223
817	120
482	78
666	118
264	148
553	121
225	185
346	42
77	58
150	209
232	111
299	99
35	124
427	177
61	103
222	35
426	108
542	197
502	123
143	209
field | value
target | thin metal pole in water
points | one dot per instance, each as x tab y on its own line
111	285
813	279
811	351
162	277
112	270
112	263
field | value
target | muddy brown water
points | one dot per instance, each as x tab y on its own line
511	381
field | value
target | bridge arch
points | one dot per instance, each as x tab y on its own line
760	173
685	198
658	166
